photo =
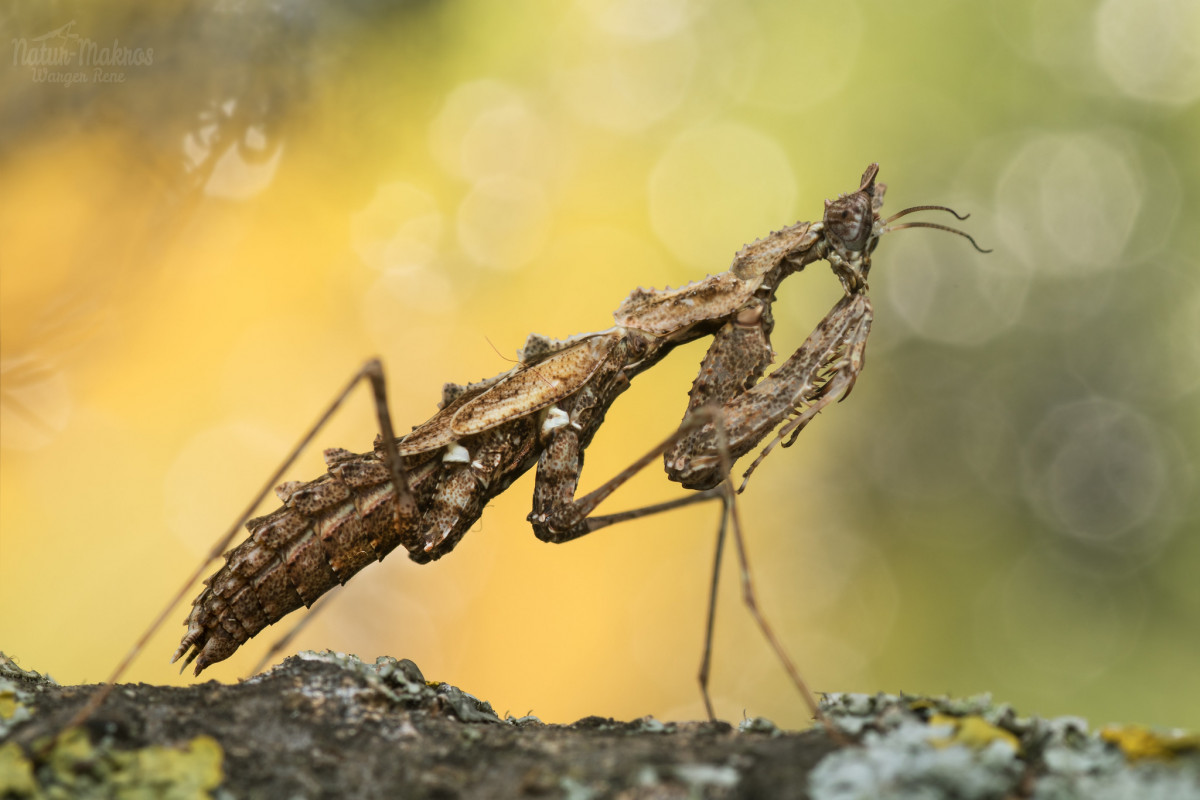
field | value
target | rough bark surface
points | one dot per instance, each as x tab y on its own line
330	725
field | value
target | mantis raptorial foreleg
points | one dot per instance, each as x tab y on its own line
703	447
735	361
841	357
823	369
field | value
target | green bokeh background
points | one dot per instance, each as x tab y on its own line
195	252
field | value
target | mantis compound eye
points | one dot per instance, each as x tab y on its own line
850	219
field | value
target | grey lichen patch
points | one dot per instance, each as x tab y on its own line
11	670
17	690
1090	768
401	682
466	707
652	725
692	780
759	725
974	749
523	721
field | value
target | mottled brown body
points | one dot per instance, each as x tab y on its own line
545	412
332	527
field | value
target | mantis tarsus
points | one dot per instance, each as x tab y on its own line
423	491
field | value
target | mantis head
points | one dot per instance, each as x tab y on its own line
853	227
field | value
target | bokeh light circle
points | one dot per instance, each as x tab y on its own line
1068	204
488	128
503	222
1095	470
715	183
1151	49
620	82
400	228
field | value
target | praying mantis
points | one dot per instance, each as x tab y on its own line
423	491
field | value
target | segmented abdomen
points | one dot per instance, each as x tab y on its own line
327	530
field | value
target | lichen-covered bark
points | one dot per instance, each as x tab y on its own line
333	726
329	725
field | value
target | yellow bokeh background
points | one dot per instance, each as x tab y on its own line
198	250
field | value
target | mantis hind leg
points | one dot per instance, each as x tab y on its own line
406	513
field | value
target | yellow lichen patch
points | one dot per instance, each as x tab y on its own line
973	731
71	750
1138	742
83	769
8	704
190	772
16	772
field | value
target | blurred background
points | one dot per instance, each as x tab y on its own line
212	213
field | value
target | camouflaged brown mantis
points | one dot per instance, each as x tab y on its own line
423	491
